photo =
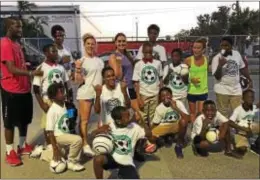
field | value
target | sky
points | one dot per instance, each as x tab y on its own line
170	16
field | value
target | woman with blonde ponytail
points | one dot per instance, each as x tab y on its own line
87	75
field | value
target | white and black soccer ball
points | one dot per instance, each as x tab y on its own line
58	166
103	144
212	135
149	75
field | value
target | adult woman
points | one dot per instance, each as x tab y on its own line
198	78
91	67
122	63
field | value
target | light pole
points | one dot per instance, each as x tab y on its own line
136	28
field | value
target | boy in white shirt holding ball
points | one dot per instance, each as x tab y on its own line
242	120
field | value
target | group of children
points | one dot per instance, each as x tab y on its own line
162	104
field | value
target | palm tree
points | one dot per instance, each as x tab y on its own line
37	27
24	7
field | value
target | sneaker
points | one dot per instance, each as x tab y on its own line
150	148
254	149
178	151
88	151
76	167
233	154
37	151
26	150
13	159
194	149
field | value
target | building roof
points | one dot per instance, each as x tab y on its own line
5	10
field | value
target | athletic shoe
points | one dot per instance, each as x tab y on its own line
88	151
150	148
233	154
26	150
37	151
178	151
255	149
76	167
13	159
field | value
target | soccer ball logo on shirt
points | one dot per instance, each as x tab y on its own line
111	104
63	124
171	116
55	76
123	144
149	75
176	81
232	68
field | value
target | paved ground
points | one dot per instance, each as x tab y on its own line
163	164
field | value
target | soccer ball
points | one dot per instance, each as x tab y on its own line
56	78
149	75
103	144
244	82
184	71
212	135
58	167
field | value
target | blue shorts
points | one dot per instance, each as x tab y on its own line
194	98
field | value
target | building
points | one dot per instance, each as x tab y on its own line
69	17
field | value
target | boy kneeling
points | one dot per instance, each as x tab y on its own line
170	117
122	129
242	120
57	128
211	118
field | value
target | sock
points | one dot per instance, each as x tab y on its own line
21	141
9	148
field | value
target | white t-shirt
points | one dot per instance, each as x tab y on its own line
198	123
148	75
57	120
65	52
166	115
93	69
176	84
125	140
242	117
158	51
109	100
229	83
51	74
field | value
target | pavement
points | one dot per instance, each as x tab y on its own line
163	164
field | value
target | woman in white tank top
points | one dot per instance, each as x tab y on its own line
89	68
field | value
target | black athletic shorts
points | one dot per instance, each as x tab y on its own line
17	109
125	171
132	93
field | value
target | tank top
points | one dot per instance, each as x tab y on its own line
127	70
200	72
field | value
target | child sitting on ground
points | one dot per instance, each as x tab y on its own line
122	129
211	118
242	120
170	117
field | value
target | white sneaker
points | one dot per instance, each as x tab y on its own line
88	151
37	151
76	167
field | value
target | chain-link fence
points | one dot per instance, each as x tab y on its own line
243	43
